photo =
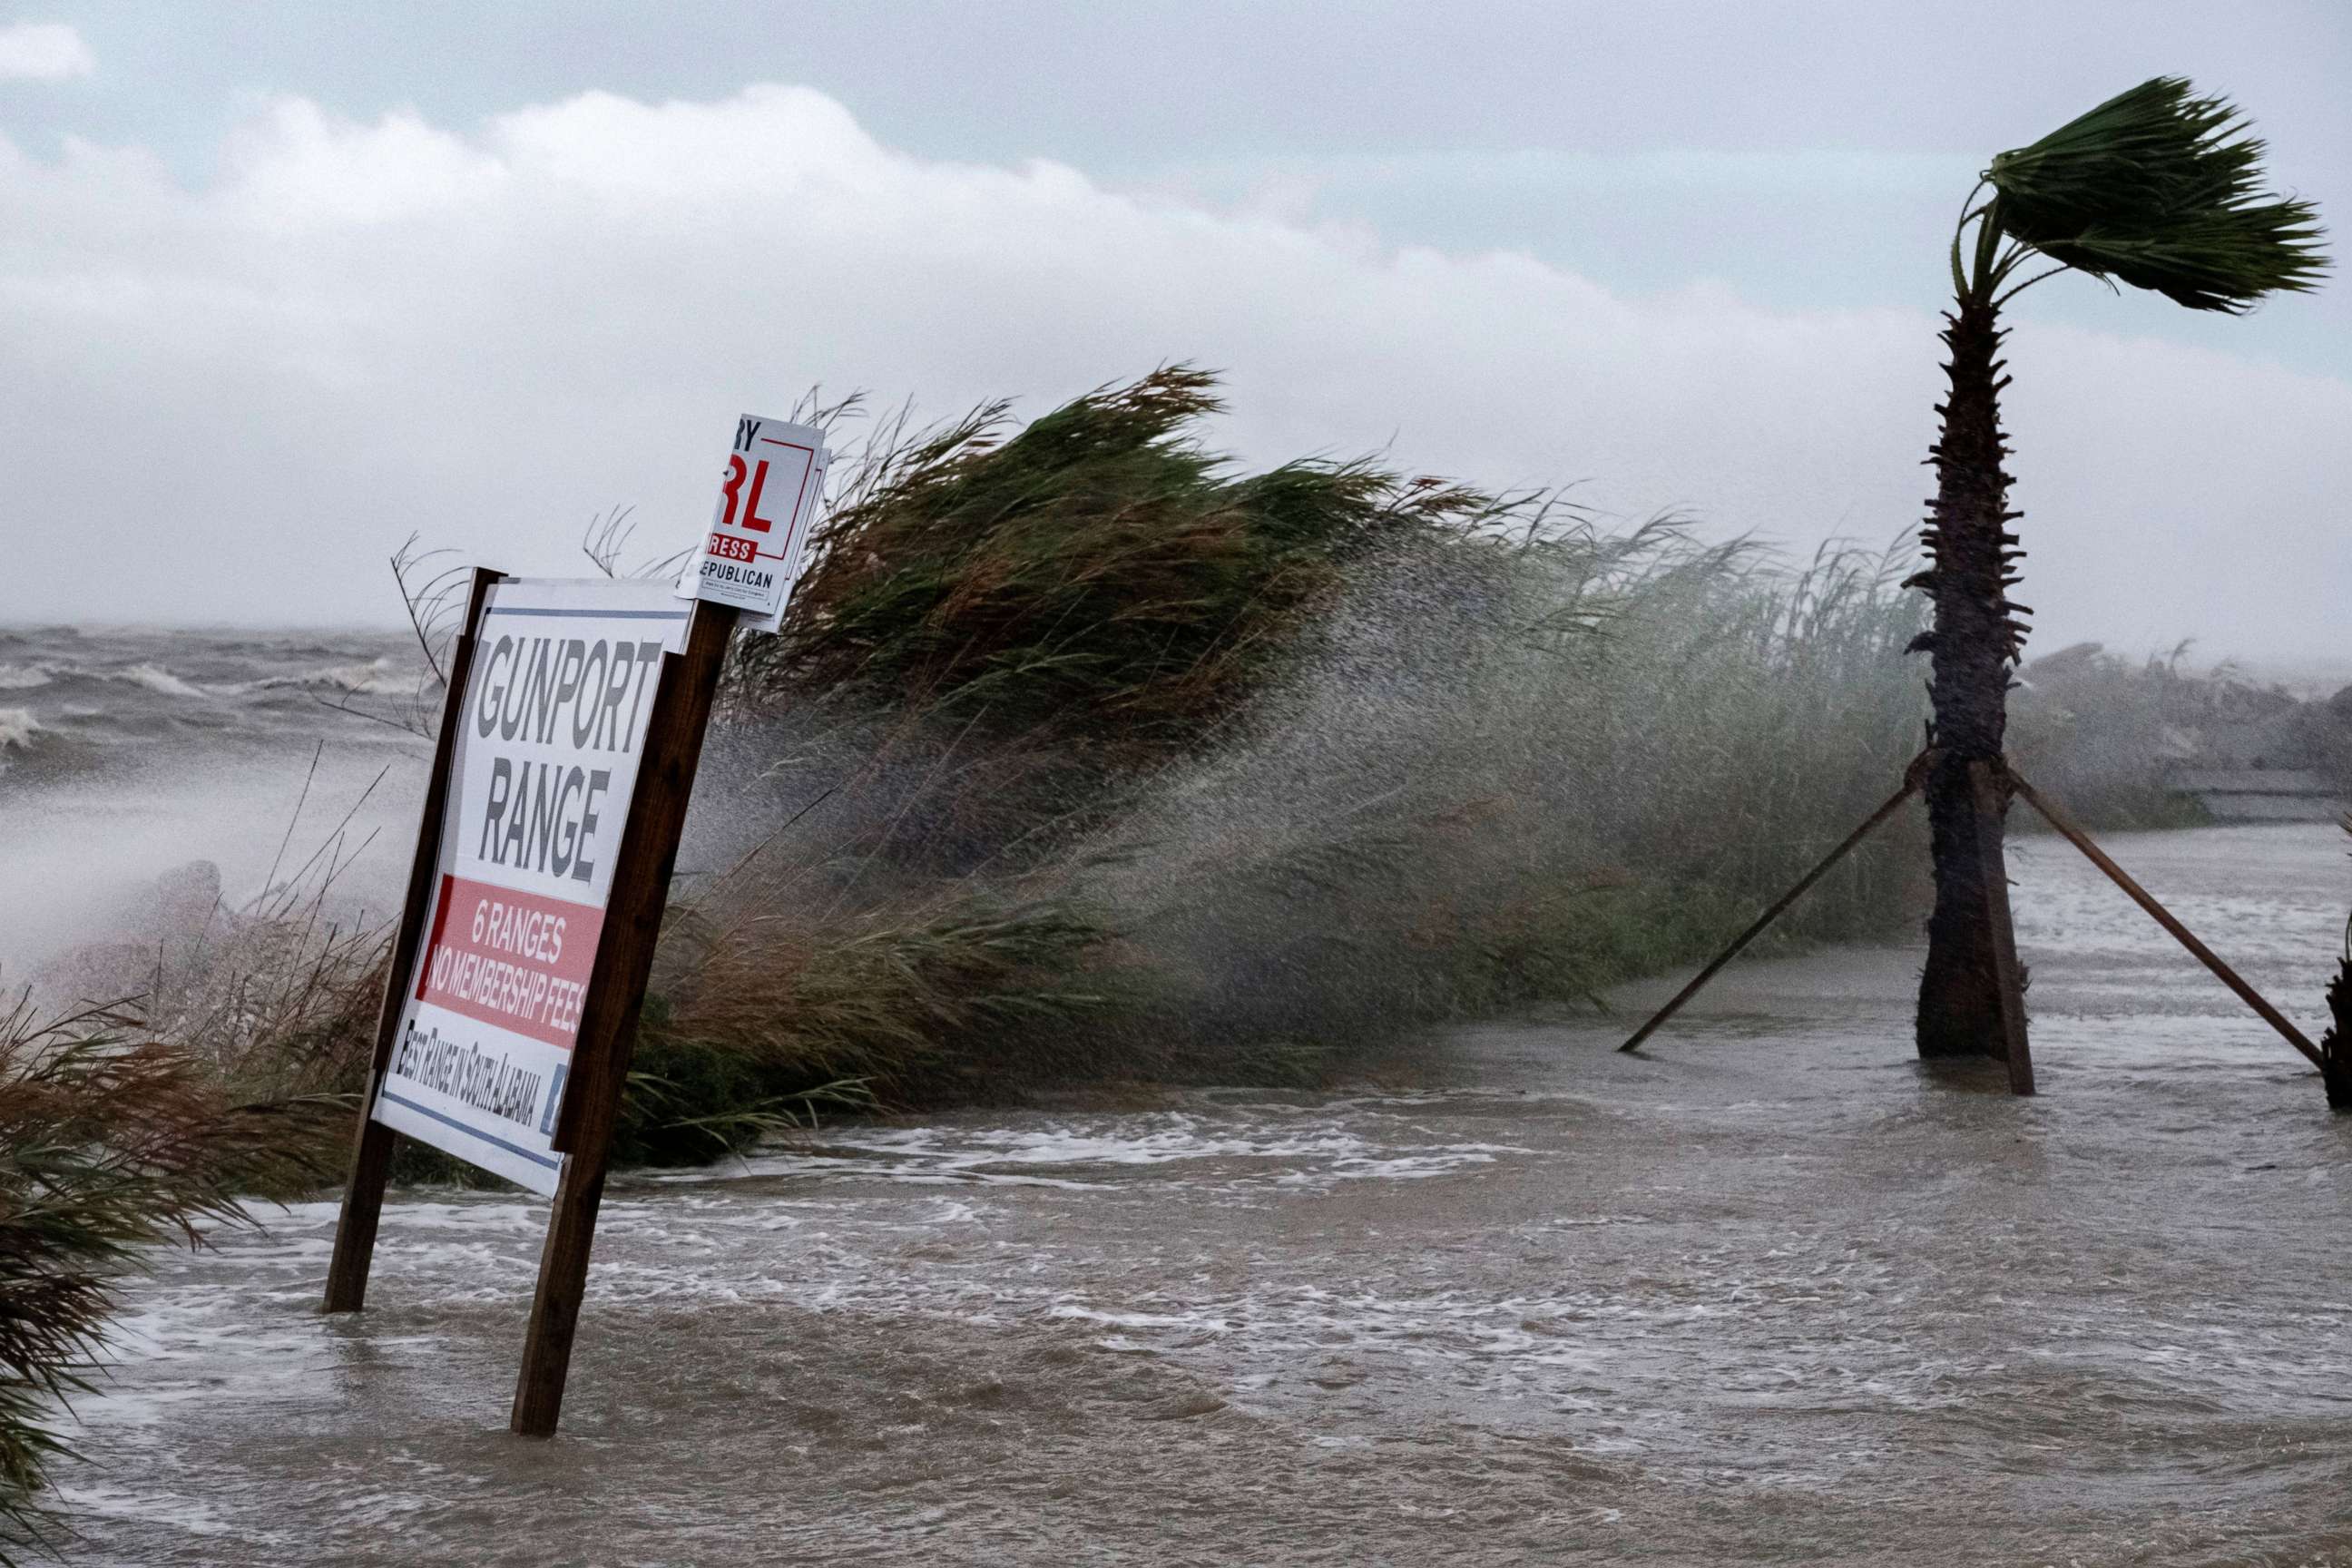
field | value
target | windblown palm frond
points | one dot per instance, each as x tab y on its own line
2160	189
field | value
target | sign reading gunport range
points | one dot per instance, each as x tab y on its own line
571	727
550	735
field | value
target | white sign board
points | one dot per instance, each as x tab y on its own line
767	501
545	759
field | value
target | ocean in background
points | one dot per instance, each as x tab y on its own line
129	754
141	766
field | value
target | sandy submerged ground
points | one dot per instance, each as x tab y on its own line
1770	1293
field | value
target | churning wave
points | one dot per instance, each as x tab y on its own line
18	727
122	690
153	678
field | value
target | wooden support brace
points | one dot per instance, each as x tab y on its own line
607	1035
2166	918
1911	779
346	1274
2008	977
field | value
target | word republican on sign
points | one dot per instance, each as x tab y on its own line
758	533
548	746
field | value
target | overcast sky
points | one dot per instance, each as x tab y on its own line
280	283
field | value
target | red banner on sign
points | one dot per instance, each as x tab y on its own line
512	959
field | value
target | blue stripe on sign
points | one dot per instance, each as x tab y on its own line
590	614
534	1156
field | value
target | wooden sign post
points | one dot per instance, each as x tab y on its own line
346	1274
568	742
617	991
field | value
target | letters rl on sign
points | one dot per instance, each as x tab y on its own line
767	501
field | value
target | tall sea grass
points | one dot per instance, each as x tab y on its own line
1513	773
1087	753
111	1140
1512	758
1098	574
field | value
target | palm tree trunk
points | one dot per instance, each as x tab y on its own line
1977	640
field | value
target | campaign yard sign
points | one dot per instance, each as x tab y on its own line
551	736
767	501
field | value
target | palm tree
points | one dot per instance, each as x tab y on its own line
2157	188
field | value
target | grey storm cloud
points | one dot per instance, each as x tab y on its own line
231	397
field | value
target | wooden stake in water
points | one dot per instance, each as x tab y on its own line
2009	976
616	992
2165	918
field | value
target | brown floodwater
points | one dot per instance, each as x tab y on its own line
1771	1292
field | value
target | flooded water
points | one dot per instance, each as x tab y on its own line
1769	1293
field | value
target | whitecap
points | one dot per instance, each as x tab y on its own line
371	678
22	677
18	728
156	679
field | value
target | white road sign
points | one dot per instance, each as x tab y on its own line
552	734
767	501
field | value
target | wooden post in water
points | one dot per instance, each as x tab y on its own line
346	1274
2336	1045
616	992
2008	975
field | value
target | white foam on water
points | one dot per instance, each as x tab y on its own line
373	677
81	1498
18	728
1290	1152
1399	1167
22	677
156	678
1146	1138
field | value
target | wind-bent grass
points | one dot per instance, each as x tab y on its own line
1098	572
111	1141
1507	764
1086	754
1584	759
762	1020
1101	761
